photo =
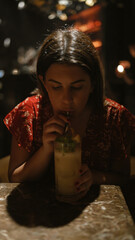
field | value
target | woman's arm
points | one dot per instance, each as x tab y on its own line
23	166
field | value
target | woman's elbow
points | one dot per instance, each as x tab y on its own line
13	177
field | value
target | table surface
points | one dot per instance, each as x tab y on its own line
31	210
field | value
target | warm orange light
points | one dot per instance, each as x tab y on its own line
60	7
38	3
97	44
90	26
82	28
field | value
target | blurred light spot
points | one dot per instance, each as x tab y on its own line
52	16
81	0
26	56
15	71
63	17
21	5
90	2
60	7
120	68
7	42
97	44
2	73
63	2
0	21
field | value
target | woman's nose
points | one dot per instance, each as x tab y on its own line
67	97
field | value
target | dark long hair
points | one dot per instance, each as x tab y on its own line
70	46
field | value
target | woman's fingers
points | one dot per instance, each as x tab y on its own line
51	137
55	120
54	127
85	181
84	168
84	187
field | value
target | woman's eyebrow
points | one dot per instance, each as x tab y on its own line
54	81
78	81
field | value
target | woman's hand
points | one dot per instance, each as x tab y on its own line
85	181
54	127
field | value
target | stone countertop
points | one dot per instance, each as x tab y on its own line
30	211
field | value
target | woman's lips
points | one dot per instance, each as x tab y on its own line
68	114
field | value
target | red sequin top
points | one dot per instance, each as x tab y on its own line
106	145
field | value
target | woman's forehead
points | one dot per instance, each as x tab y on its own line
67	69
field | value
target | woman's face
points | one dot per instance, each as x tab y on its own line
68	88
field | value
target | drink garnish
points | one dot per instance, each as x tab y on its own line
67	125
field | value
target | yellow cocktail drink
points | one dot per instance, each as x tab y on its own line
67	156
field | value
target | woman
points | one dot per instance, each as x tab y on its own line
70	77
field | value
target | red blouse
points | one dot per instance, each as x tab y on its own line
106	145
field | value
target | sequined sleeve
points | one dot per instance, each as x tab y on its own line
20	123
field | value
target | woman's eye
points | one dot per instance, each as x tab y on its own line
72	87
56	88
76	88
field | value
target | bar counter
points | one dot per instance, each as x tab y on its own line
30	211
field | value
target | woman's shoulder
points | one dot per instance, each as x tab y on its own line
33	102
117	112
109	103
26	118
115	109
31	107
